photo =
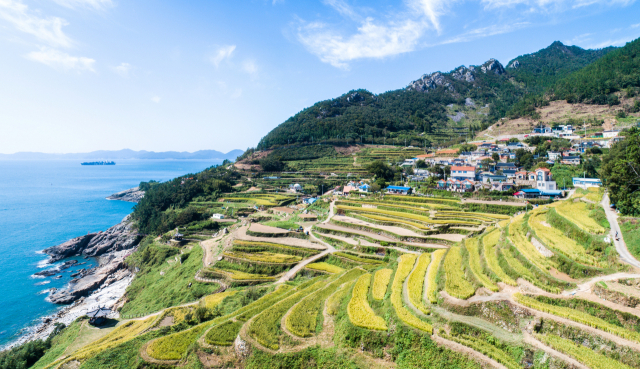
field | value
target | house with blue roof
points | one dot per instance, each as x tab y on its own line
398	190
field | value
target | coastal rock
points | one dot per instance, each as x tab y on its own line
117	238
114	270
47	273
130	195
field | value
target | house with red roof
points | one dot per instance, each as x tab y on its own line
462	172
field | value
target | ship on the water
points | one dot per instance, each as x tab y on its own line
98	163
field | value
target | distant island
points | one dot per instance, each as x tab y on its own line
98	163
126	154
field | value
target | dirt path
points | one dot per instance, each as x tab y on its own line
293	271
621	246
261	228
475	355
377	237
529	339
241	234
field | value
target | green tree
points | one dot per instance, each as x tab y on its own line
381	170
621	173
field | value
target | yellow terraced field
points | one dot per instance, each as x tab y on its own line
325	267
432	272
400	214
380	282
415	286
526	248
456	284
476	265
554	238
583	354
265	257
360	312
578	213
404	268
489	243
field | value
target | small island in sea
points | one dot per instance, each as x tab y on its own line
98	163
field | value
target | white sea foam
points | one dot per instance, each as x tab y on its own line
42	283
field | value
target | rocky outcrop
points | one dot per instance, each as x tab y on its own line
430	82
111	269
130	195
492	66
122	236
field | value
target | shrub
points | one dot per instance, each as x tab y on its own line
415	286
404	268
359	311
380	282
432	272
456	284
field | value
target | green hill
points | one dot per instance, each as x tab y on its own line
438	107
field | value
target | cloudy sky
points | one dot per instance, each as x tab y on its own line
83	75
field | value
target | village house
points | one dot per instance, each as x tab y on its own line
463	172
544	180
587	182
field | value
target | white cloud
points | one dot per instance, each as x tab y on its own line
156	99
123	69
276	2
250	66
372	40
485	32
343	8
96	4
221	54
635	25
61	60
432	9
607	43
48	30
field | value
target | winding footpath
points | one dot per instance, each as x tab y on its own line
621	246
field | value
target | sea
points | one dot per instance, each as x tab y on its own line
45	203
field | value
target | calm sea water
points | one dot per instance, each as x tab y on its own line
43	204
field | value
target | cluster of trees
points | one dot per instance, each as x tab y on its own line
151	212
621	173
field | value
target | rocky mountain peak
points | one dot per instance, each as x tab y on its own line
430	82
492	65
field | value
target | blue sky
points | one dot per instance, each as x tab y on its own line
84	75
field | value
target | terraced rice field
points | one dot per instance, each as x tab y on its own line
456	283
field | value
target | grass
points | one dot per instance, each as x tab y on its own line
224	334
174	346
432	272
325	267
303	317
59	344
489	243
265	328
380	283
488	349
473	247
151	291
631	234
456	284
583	354
415	286
359	310
405	265
578	213
335	300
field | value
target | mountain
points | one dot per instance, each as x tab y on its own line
437	107
125	155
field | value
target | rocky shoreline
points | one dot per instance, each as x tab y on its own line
130	195
101	286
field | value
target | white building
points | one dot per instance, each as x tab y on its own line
544	181
295	187
463	172
217	216
554	155
609	134
587	182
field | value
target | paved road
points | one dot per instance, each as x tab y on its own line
621	247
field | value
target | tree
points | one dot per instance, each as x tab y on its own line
409	171
375	187
381	170
495	157
467	148
621	173
421	164
271	164
524	158
513	139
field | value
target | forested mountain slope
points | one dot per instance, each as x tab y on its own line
437	107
